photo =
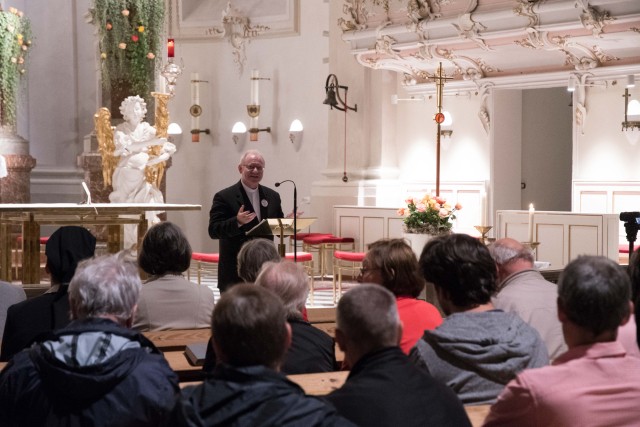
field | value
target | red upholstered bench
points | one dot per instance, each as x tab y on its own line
300	236
205	263
306	259
624	248
325	243
345	261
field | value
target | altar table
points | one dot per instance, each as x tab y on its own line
31	215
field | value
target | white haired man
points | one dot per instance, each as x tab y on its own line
96	370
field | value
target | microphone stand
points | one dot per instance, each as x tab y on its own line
295	218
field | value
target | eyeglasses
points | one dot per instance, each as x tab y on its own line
257	168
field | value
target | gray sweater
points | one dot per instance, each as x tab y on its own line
477	354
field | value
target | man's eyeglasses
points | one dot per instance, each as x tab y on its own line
257	168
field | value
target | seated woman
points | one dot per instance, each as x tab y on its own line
167	299
392	264
312	350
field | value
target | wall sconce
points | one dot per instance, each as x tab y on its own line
446	126
238	131
631	111
174	132
571	86
631	81
295	131
196	110
334	100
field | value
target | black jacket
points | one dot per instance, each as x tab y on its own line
385	389
110	376
223	225
312	350
29	320
252	396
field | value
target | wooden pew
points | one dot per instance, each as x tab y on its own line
178	339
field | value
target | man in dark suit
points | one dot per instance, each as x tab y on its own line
236	210
29	320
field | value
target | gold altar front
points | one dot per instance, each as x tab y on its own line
30	216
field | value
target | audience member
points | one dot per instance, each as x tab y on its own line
312	350
393	264
96	371
384	388
522	290
168	300
9	295
252	255
251	336
595	382
477	350
628	333
28	320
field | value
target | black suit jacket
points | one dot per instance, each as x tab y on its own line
30	320
224	226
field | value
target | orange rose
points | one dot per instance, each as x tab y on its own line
458	206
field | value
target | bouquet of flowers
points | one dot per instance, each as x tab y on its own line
429	215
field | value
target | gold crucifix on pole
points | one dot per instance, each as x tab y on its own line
439	78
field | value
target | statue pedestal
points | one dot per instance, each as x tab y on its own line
16	186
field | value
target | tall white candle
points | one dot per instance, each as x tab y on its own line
255	75
195	98
531	212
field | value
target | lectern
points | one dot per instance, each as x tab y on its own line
280	227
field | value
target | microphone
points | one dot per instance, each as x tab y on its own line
295	216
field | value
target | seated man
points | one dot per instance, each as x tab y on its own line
251	336
384	388
253	254
96	371
522	290
477	350
30	319
312	350
595	382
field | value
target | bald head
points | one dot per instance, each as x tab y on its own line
511	257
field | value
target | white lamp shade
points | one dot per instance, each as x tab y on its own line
174	129
448	119
296	126
394	99
633	108
239	127
631	81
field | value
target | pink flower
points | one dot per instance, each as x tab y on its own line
150	55
134	38
125	12
401	211
443	213
420	207
122	45
458	206
440	200
409	200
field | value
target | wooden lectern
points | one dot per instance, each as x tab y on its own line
280	227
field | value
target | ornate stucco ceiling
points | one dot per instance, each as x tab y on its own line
488	40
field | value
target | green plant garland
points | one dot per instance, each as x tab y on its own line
129	41
15	41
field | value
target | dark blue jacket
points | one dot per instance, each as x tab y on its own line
91	373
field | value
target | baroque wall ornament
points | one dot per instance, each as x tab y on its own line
357	13
238	31
483	113
593	18
470	29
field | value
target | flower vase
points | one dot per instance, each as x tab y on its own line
417	241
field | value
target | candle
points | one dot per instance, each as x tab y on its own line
255	75
195	99
531	212
170	48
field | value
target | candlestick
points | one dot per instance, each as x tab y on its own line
195	100
255	76
531	212
170	48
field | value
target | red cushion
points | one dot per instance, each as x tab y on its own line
43	240
301	236
302	256
349	256
318	240
198	256
624	248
